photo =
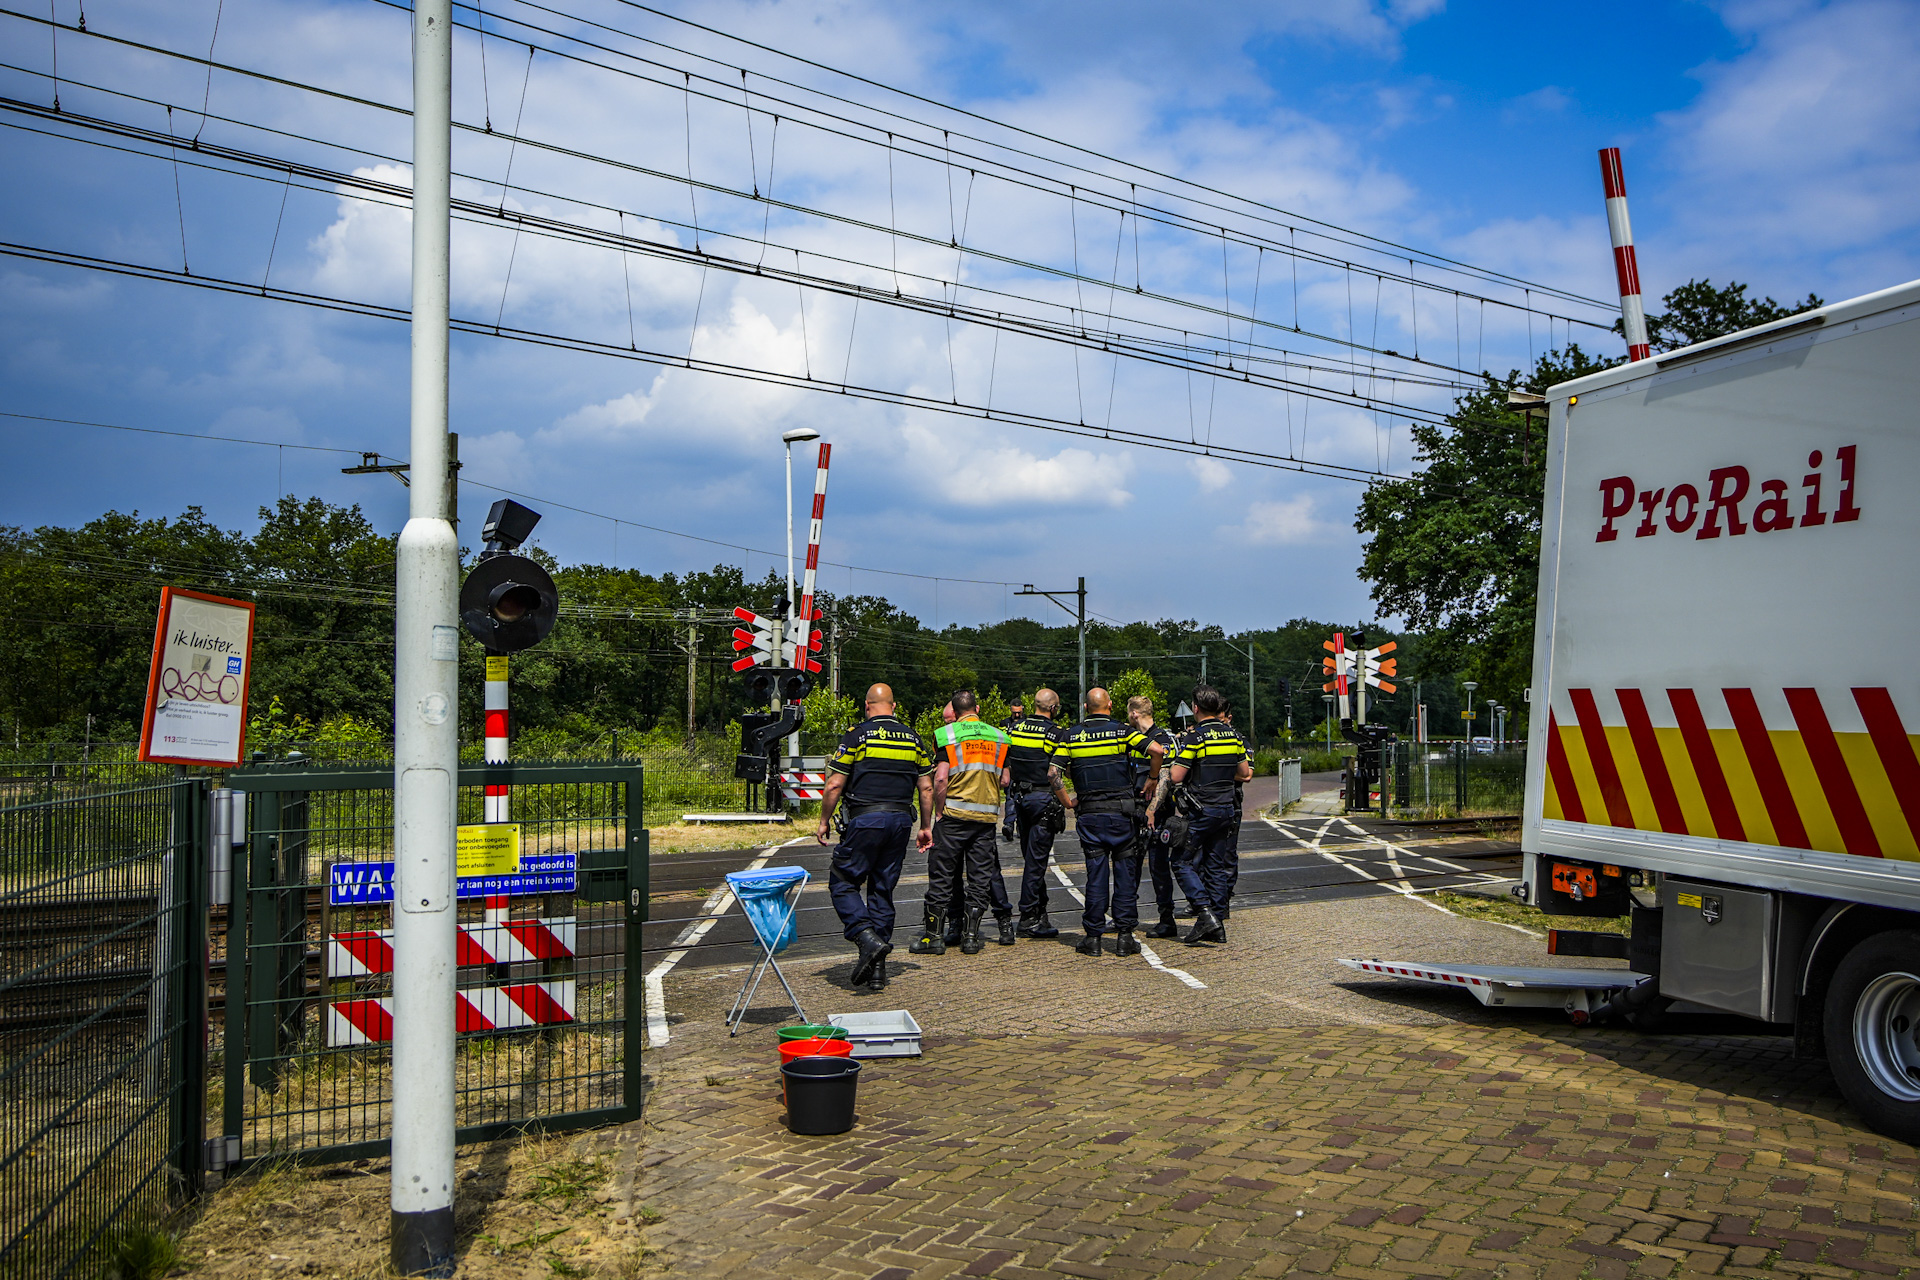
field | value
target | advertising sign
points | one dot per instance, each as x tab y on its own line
196	707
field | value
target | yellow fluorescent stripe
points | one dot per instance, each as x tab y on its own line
1876	795
1687	788
1740	783
1585	781
1822	831
1633	779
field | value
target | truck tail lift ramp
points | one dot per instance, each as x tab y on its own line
1514	986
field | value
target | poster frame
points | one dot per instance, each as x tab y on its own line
149	705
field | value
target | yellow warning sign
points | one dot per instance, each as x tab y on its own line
488	849
1686	900
496	666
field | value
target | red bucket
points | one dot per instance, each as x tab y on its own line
814	1049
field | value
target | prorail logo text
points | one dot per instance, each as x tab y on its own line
1732	504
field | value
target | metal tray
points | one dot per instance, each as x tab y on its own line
887	1033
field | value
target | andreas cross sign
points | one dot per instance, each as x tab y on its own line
1349	664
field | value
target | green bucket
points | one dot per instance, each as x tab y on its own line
812	1031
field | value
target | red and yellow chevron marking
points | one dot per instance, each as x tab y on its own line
1804	787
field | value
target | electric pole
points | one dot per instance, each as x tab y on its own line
1080	621
426	754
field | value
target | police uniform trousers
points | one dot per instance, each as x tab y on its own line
1205	871
866	867
996	882
964	865
1036	847
1159	863
1231	876
1113	863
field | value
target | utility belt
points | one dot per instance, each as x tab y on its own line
1028	788
1122	802
853	810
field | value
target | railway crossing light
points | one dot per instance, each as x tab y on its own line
508	602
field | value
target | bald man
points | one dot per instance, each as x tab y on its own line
1099	754
878	768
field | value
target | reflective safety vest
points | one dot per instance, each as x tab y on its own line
884	761
1212	753
974	753
1098	754
1031	744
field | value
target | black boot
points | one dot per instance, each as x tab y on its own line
1125	944
971	943
932	939
1006	929
1089	945
953	934
1037	927
873	954
1166	928
877	980
1206	928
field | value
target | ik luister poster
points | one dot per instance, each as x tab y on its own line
196	710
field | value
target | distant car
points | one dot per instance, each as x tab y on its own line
1482	744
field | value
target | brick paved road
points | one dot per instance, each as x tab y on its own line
1102	1118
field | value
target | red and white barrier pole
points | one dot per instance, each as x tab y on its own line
803	632
498	799
1625	265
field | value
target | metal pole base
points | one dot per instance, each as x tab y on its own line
422	1243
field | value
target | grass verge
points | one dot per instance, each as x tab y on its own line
1510	911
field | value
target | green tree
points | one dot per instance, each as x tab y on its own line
1698	311
1137	682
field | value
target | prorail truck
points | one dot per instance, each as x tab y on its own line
1725	704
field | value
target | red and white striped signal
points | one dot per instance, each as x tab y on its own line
1368	665
759	640
522	1004
1626	263
798	784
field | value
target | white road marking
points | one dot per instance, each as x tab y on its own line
1400	886
716	905
1147	953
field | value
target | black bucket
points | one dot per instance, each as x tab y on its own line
820	1094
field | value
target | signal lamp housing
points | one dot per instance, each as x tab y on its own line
508	603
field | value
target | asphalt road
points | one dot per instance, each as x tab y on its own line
1294	860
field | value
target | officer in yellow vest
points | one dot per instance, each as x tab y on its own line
1210	763
878	768
970	761
1098	754
1033	782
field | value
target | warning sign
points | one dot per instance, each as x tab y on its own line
488	849
496	666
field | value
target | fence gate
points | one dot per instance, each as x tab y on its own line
102	1022
549	1003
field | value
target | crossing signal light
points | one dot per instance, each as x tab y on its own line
508	602
767	683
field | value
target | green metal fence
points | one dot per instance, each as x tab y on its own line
1457	779
550	988
102	1016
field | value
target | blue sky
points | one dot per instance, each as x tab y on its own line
1772	142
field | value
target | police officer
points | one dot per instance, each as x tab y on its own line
1239	815
968	773
1015	714
1098	754
1207	766
878	767
1159	863
1034	785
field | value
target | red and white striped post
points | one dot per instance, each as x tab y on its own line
1633	316
803	627
498	799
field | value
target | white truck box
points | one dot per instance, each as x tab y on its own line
1725	687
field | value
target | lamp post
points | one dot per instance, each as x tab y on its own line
1469	686
799	435
1328	699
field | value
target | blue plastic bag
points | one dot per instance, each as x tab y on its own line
763	897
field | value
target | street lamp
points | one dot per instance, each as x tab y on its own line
1328	699
1470	686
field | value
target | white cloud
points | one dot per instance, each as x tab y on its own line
1211	474
1286	521
964	474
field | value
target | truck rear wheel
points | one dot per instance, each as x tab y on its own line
1873	1032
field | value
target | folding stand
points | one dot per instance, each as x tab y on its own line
769	898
